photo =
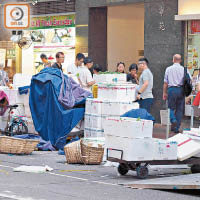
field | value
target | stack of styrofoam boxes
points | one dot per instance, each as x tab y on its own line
133	137
97	110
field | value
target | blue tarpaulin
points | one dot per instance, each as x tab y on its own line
51	120
139	113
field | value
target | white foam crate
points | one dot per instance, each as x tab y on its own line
116	107
187	147
93	133
93	106
128	127
109	78
133	149
118	91
164	150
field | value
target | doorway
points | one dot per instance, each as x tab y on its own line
125	34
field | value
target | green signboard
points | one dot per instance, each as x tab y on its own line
48	22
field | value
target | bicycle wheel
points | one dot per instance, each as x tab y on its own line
18	128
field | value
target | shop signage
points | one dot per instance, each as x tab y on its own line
52	22
195	26
16	16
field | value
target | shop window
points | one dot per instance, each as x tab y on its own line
193	50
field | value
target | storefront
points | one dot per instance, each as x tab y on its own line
124	30
49	35
189	14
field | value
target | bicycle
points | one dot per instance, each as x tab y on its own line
16	125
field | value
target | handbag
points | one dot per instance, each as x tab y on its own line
187	86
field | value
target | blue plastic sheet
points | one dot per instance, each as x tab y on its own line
51	120
139	113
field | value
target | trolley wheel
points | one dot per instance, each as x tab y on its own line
142	172
195	168
122	169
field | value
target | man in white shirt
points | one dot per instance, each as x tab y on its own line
85	76
73	68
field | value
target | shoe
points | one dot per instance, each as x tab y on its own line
176	131
173	126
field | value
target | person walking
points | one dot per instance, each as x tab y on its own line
173	92
145	96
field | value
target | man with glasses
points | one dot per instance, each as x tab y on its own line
145	96
60	57
73	68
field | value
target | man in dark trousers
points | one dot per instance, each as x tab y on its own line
173	91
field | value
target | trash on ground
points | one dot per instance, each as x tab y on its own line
33	169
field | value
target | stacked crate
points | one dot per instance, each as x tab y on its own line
115	97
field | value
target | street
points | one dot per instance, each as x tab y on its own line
76	181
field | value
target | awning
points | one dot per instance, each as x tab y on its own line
187	17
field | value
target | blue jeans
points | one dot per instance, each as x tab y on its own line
146	104
176	102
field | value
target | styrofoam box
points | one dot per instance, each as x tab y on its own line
93	133
188	110
164	117
126	91
27	111
93	121
93	106
109	78
109	107
187	147
164	150
128	127
116	107
96	121
133	149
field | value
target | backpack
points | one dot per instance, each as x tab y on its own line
187	86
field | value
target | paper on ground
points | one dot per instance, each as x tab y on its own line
33	169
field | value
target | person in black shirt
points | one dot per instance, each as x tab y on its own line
60	57
132	76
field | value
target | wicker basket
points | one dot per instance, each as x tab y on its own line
17	145
91	155
73	153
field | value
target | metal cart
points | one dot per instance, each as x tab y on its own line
141	167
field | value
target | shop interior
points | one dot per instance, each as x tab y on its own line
125	34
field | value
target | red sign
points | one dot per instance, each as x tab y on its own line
195	27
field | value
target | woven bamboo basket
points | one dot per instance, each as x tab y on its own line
73	153
16	145
91	155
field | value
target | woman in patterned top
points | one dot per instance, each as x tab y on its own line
4	80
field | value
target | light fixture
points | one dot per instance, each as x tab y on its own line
56	38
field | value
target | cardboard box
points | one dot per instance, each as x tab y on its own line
128	127
125	92
187	147
109	78
133	149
